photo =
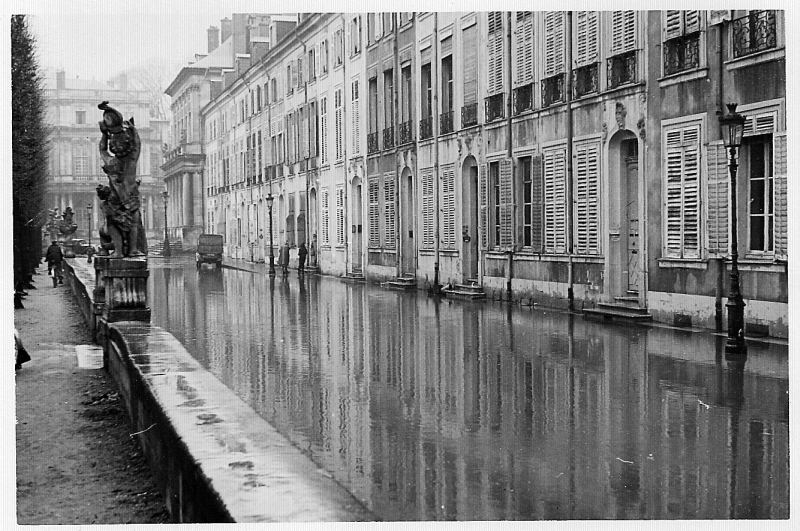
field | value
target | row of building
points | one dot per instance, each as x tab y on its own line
567	158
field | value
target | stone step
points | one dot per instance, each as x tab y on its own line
627	301
616	312
354	277
402	283
624	307
456	293
470	288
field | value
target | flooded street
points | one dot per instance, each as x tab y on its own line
450	410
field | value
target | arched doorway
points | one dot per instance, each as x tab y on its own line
407	248
355	191
469	218
624	260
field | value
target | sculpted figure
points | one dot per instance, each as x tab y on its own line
120	146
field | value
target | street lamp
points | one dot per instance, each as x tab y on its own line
166	251
732	127
90	251
270	199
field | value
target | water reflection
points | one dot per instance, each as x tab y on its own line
429	410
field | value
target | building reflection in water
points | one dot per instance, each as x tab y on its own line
430	410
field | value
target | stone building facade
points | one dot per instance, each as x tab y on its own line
565	158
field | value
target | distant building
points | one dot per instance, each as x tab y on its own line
75	167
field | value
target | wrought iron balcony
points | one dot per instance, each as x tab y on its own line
523	98
681	54
388	137
495	107
446	122
553	90
426	128
406	133
754	32
585	79
622	69
372	143
469	115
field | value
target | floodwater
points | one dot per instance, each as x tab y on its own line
440	410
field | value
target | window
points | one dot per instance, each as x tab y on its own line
325	217
621	67
498	205
448	207
323	120
428	211
388	109
756	160
323	56
426	120
469	111
340	216
587	53
289	79
446	120
356	117
355	36
682	41
80	117
681	166
555	199
338	103
312	66
372	137
553	75
373	213
80	160
754	32
338	47
496	39
389	211
523	62
495	201
530	170
587	198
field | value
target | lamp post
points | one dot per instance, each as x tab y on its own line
166	251
270	199
732	127
90	251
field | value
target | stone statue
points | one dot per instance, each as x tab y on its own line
67	226
123	234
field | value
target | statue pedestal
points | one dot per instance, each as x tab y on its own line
125	289
98	295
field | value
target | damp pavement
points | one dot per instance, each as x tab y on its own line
76	462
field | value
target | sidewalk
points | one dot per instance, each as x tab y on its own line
76	462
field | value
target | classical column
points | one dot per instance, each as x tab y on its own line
150	212
187	198
197	193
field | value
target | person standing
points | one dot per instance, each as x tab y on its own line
54	257
301	258
283	257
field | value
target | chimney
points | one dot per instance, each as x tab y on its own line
225	24
213	38
61	79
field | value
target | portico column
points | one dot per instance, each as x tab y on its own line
150	212
197	200
187	198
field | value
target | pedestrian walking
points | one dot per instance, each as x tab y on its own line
301	258
54	258
283	257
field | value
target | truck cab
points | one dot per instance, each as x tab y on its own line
209	250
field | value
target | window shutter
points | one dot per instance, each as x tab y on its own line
587	219
673	24
691	192
448	207
470	64
555	200
428	235
506	204
623	31
691	20
484	199
682	165
338	124
374	228
496	55
781	204
553	43
356	120
389	211
524	48
325	217
760	124
340	215
536	203
324	129
718	200
587	38
673	165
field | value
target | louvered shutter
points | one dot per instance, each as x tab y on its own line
587	220
340	216
781	197
623	31
523	53
506	204
484	199
496	55
389	211
673	24
691	192
428	213
325	203
682	165
470	64
691	21
587	38
374	228
673	165
553	43
718	200
760	124
536	203
338	125
555	201
356	116
448	207
324	129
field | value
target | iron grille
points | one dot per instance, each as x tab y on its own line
622	69
495	107
446	122
469	115
372	143
585	79
523	98
388	137
553	90
681	54
754	32
406	133
426	128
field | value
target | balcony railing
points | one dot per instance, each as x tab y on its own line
426	128
495	107
446	122
372	143
523	98
754	32
388	137
406	132
681	54
469	115
585	79
553	90
622	69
